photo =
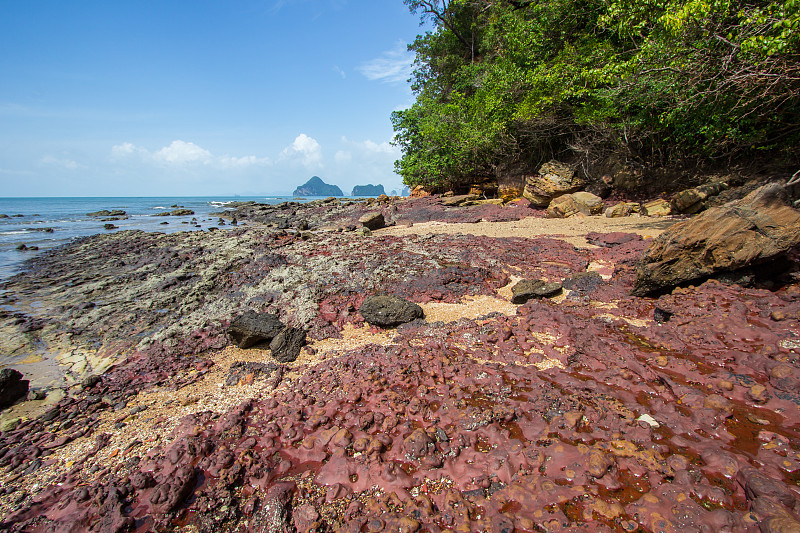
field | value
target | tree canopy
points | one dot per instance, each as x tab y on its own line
505	84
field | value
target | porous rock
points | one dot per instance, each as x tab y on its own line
389	311
287	344
12	387
753	230
529	289
253	328
554	179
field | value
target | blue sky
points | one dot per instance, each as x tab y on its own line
178	97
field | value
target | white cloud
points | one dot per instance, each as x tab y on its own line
246	161
68	164
393	66
306	148
343	156
179	153
182	152
337	69
369	147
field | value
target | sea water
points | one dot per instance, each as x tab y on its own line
50	222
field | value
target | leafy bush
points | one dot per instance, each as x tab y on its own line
506	84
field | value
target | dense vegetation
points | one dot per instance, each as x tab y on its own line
503	85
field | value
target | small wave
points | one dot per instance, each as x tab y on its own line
220	204
160	207
15	232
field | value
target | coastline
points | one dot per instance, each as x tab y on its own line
485	403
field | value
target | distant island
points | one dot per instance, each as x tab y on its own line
368	190
316	187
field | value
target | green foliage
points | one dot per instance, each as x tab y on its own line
504	83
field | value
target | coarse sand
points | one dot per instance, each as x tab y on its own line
571	230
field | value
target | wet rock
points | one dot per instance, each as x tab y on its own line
389	311
12	387
110	226
418	444
760	227
107	213
372	221
286	346
529	289
554	179
757	485
253	328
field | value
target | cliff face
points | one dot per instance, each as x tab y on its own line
316	187
368	190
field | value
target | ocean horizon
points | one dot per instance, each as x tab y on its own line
43	223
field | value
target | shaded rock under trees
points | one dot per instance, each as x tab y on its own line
753	230
553	179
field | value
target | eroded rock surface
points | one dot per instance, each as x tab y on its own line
756	229
585	414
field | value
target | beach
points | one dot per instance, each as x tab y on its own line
586	408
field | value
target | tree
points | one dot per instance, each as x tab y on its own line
510	83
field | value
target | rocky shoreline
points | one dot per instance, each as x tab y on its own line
590	409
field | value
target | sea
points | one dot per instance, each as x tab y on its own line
47	223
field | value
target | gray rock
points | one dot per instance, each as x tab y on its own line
253	328
583	281
287	344
389	311
529	289
12	387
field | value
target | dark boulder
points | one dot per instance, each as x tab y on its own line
287	344
107	213
372	221
12	387
389	311
758	228
583	281
253	328
529	289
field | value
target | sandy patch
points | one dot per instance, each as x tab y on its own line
470	307
572	230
